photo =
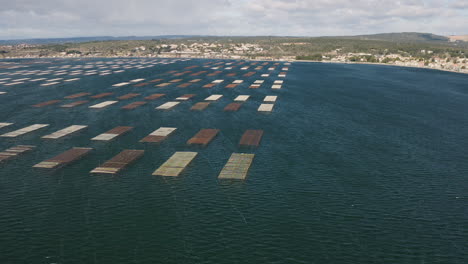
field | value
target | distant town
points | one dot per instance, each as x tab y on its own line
409	51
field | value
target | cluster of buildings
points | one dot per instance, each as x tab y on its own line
456	64
209	50
243	51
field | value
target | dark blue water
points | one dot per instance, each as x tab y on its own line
358	164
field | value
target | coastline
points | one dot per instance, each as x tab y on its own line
383	64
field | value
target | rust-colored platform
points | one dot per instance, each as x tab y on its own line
251	138
203	137
232	107
119	162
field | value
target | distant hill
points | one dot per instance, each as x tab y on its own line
458	38
402	37
86	39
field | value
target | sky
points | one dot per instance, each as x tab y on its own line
78	18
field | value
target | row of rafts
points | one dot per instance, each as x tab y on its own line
236	167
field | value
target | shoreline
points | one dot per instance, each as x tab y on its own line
383	64
246	59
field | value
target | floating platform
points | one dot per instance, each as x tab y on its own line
64	159
251	138
176	80
249	74
113	133
195	80
121	84
217	81
232	107
119	162
198	73
141	84
133	105
203	137
185	97
25	130
214	73
168	105
237	166
154	96
184	85
101	95
214	97
77	103
270	98
163	84
242	98
210	85
2	125
45	84
254	86
276	86
78	95
265	108
159	134
175	164
156	80
128	96
51	102
103	104
65	132
232	85
200	106
13	152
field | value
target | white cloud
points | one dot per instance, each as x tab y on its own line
63	18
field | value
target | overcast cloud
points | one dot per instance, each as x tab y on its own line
72	18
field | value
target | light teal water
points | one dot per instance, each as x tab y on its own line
358	164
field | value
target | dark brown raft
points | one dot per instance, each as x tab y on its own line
128	96
101	95
232	85
133	105
214	73
47	103
251	138
119	162
200	106
210	85
198	73
203	137
232	107
184	85
249	74
154	96
141	84
78	95
156	80
63	159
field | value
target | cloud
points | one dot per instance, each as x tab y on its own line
64	18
